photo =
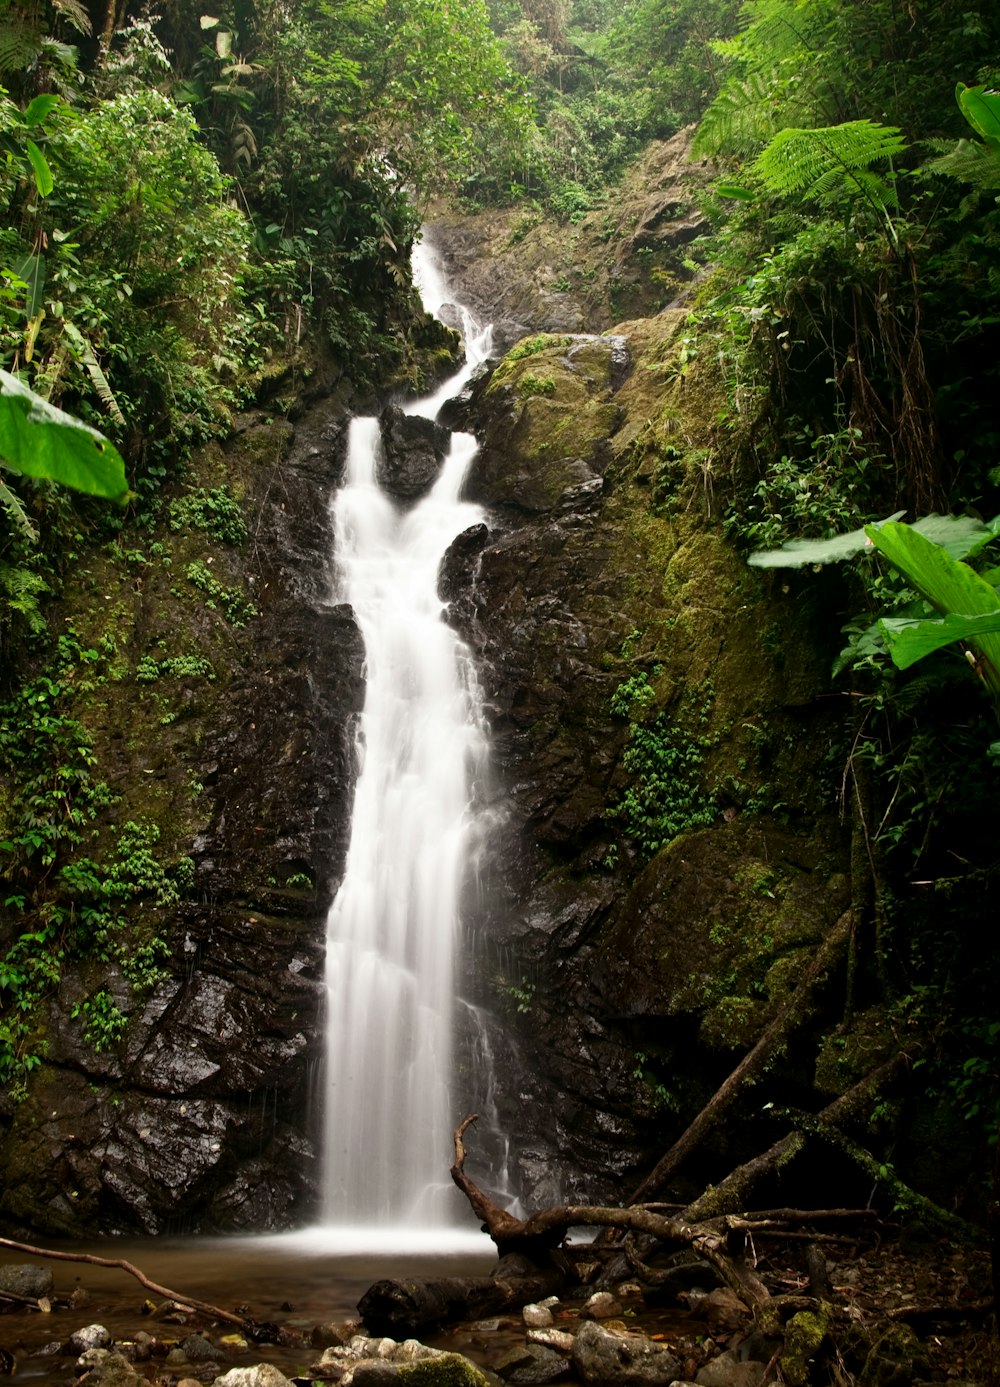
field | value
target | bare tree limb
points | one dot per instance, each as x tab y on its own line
796	1009
118	1263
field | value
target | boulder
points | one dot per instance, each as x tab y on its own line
603	1356
27	1280
532	1365
413	449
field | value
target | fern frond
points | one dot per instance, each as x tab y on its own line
971	162
84	353
832	163
20	44
22	588
740	119
76	14
16	514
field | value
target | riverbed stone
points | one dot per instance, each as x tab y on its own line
729	1370
537	1316
631	1360
260	1375
532	1365
90	1336
101	1367
27	1280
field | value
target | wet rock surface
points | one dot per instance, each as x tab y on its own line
413	450
199	1120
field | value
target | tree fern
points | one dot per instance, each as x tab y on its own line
971	162
741	118
832	164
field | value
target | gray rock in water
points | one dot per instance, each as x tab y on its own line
728	1371
628	1360
532	1366
197	1349
104	1368
537	1316
602	1305
374	1372
23	1279
91	1336
261	1375
413	449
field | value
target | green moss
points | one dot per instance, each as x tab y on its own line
804	1336
450	1370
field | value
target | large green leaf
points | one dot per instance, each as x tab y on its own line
37	109
981	108
958	535
909	639
39	165
799	552
38	440
948	585
32	271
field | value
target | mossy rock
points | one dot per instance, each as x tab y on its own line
450	1370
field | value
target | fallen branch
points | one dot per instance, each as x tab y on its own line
796	1010
720	1242
117	1263
733	1193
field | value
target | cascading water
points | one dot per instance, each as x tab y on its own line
394	923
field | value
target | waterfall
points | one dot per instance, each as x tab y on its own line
394	923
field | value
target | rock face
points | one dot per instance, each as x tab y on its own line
659	859
198	1119
629	975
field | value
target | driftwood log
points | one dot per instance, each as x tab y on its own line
402	1309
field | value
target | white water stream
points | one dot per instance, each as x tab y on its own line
394	924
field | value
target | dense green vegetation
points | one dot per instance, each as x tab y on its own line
200	208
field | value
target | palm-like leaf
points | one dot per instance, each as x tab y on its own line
832	163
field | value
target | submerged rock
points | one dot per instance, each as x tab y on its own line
27	1280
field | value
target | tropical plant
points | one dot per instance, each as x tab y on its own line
964	605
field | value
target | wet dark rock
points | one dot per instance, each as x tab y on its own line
197	1348
27	1280
370	1373
101	1367
199	1120
413	450
532	1366
606	1356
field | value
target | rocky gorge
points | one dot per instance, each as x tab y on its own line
633	932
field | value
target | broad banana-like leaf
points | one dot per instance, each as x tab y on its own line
981	108
36	110
951	587
958	535
32	271
799	552
38	440
909	639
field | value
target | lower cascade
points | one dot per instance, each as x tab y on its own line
395	921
